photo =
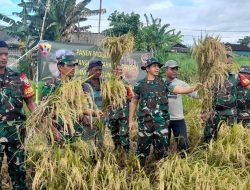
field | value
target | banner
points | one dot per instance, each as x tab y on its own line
47	63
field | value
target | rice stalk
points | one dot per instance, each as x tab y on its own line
210	55
117	46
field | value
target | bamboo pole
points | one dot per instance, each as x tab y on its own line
41	38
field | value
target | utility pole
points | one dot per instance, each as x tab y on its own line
100	13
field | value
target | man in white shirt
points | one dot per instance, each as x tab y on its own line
177	122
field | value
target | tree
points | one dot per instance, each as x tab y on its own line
244	41
25	32
156	37
63	16
122	23
60	22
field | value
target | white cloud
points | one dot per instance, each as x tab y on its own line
160	6
189	16
7	7
8	3
194	16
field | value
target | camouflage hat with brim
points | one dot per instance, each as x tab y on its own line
171	64
245	69
66	57
150	62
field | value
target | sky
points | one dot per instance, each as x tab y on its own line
230	19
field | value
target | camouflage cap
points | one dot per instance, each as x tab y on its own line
66	57
245	69
171	64
151	61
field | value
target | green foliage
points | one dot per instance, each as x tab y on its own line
244	41
156	37
122	23
25	67
23	30
60	22
62	17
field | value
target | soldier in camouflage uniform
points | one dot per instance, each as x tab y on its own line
151	94
118	120
243	99
224	105
14	89
66	66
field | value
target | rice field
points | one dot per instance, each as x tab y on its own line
224	164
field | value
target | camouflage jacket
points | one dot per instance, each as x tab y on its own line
243	103
50	87
14	89
152	98
225	99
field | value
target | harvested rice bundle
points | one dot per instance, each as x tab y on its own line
210	55
117	46
64	106
114	92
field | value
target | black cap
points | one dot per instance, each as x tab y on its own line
3	44
94	63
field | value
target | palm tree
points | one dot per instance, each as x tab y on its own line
63	16
25	32
155	36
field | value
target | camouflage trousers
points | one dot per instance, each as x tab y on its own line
214	123
11	143
152	133
120	132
